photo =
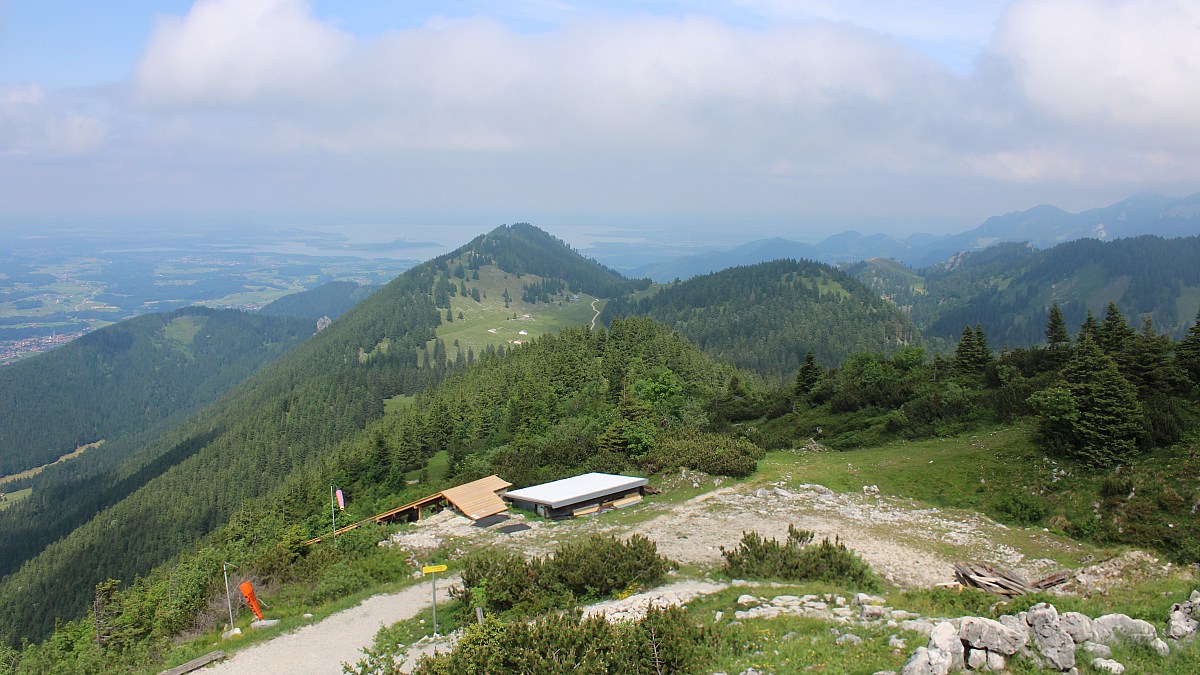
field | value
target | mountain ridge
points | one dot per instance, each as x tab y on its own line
1042	226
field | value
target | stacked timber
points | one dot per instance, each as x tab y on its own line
1004	582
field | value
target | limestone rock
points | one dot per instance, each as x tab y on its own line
1077	625
944	639
1016	623
981	633
746	599
872	612
1184	619
918	626
977	659
848	639
927	662
1108	665
897	643
1098	650
1122	627
1053	643
996	661
864	599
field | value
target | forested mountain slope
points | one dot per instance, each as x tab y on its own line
298	408
116	388
332	299
127	375
765	317
1009	288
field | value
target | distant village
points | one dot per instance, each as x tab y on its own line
13	350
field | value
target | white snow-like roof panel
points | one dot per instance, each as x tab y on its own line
559	493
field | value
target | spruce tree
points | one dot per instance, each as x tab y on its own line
1056	329
965	352
1148	365
1114	333
983	353
1088	327
1108	426
1188	352
972	356
808	376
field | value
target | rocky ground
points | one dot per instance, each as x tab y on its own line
907	543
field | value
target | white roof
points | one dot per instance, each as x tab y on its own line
559	493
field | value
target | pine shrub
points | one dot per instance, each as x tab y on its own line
600	566
712	453
797	559
665	641
595	567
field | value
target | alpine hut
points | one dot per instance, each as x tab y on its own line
579	495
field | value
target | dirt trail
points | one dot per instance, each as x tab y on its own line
904	542
322	647
597	315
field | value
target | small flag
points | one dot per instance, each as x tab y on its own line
340	500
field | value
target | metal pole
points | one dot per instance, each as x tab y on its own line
228	602
333	514
434	576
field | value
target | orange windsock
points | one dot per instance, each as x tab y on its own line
248	592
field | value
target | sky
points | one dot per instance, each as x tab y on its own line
407	118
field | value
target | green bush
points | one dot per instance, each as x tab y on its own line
600	566
500	581
712	453
795	559
665	641
340	579
1019	507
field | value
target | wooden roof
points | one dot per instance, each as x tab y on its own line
402	510
478	499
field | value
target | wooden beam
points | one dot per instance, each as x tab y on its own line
195	664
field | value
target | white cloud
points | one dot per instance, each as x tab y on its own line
34	123
921	19
1121	66
815	91
234	51
261	103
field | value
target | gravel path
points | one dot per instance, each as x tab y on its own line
322	647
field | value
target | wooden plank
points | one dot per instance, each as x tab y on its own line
478	499
586	511
195	664
626	501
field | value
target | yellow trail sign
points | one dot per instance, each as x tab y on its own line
431	569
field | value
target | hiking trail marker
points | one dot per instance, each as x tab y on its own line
433	570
